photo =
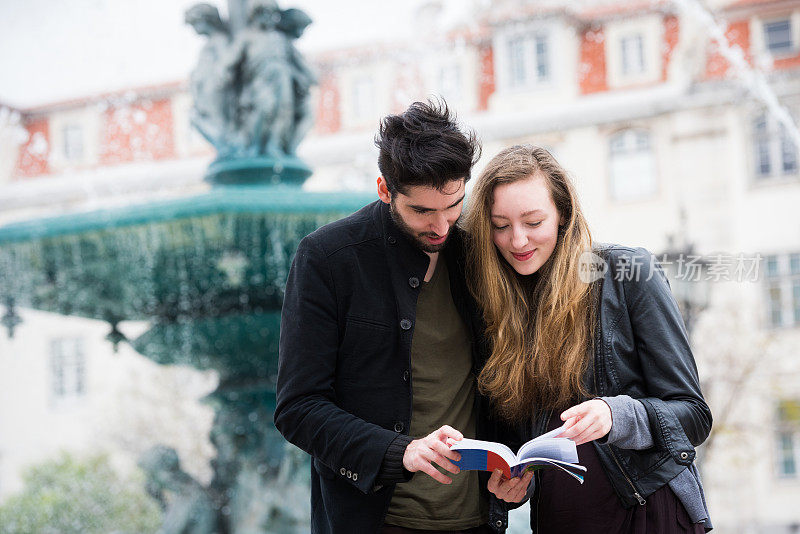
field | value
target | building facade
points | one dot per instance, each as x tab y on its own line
678	128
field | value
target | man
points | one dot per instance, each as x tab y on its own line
377	361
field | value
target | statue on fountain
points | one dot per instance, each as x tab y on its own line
251	92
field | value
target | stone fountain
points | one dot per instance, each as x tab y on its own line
206	272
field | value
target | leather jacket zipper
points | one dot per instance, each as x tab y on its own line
636	493
598	341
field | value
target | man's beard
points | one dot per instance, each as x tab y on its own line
419	239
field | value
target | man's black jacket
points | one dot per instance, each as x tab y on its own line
344	383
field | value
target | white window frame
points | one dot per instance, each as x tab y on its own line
782	280
67	366
791	429
794	44
363	95
450	81
73	132
650	28
626	59
538	69
769	139
616	190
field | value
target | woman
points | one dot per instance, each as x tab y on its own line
604	353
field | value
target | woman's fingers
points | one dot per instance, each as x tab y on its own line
592	421
591	433
577	429
522	487
494	481
509	490
571	412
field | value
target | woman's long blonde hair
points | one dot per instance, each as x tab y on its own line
540	327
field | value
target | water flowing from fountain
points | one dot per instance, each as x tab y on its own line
753	78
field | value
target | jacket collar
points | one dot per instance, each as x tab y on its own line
400	246
393	235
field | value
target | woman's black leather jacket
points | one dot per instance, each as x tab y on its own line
642	350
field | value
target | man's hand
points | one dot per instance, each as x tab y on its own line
587	421
509	490
422	453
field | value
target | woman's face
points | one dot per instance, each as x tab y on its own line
524	223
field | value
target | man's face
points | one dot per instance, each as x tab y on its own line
426	214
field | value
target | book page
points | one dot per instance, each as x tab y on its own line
574	470
552	434
561	449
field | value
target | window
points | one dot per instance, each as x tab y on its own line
73	142
542	61
778	36
783	289
516	58
68	369
632	166
796	300
632	54
775	153
528	60
363	98
775	305
450	82
788	439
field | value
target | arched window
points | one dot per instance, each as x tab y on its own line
632	166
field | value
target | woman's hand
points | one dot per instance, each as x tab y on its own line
509	490
587	421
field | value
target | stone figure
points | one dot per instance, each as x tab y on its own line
211	81
294	22
266	101
188	508
251	87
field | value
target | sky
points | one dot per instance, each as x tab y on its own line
53	50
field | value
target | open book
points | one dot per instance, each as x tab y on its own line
544	451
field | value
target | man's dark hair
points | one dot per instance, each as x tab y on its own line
424	146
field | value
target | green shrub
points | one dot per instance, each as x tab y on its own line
83	496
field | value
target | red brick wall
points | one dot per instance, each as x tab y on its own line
32	160
139	132
738	33
592	66
671	31
486	79
329	118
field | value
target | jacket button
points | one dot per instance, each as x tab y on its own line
405	324
398	426
391	239
406	374
342	471
684	455
413	282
